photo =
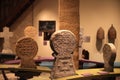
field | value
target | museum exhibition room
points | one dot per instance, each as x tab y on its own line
59	39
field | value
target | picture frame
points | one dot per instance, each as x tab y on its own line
47	26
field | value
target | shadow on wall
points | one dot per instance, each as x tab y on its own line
85	54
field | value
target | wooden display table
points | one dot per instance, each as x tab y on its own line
23	73
91	74
80	74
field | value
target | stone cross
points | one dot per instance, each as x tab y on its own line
6	34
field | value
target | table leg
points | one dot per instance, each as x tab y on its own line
4	75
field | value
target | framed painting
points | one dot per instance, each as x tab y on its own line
47	26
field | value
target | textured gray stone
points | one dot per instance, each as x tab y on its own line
63	43
109	56
26	49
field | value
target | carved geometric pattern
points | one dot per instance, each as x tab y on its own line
63	66
63	43
26	47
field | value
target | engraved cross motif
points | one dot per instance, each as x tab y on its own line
6	34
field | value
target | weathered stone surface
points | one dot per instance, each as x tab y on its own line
30	31
63	66
109	56
26	49
63	43
6	35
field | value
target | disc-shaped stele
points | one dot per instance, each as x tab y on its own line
108	50
26	48
30	31
63	41
109	56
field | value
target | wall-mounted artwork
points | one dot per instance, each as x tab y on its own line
47	26
112	34
99	38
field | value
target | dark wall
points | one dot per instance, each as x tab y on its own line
10	10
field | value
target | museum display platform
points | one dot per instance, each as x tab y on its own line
84	74
17	68
81	74
23	73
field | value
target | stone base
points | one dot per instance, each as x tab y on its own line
27	63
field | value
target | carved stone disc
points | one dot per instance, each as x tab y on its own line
30	31
63	41
109	49
26	47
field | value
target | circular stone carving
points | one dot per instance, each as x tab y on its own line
63	41
109	49
109	52
26	48
30	31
